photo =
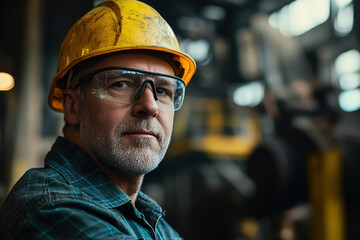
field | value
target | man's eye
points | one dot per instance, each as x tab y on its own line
163	92
119	84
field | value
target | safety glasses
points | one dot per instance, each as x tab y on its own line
125	85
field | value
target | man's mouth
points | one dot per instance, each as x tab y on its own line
141	133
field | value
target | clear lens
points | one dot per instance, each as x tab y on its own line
121	85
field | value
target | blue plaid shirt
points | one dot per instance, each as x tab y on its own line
71	198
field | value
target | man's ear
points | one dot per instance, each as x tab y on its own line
71	105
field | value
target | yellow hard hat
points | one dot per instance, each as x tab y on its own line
112	26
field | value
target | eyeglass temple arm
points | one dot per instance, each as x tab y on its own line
143	86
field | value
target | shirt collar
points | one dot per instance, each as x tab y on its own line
80	170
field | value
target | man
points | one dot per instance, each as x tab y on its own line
120	78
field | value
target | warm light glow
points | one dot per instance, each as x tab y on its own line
349	101
300	16
7	81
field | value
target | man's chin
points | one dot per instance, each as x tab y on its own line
137	160
139	170
147	148
139	145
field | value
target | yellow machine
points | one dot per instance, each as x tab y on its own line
211	127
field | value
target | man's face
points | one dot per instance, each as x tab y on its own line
132	138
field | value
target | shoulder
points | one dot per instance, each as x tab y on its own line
36	189
38	184
35	184
43	205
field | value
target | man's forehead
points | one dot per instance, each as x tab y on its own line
139	61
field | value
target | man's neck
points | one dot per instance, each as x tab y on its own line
129	184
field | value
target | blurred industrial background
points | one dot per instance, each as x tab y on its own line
267	143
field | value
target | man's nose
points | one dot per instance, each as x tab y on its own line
145	100
143	86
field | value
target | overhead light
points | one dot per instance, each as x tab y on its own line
342	3
349	81
349	101
7	81
248	95
300	16
344	20
96	2
214	12
198	49
347	62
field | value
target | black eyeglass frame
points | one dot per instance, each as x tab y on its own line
89	77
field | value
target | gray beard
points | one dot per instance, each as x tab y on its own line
135	158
